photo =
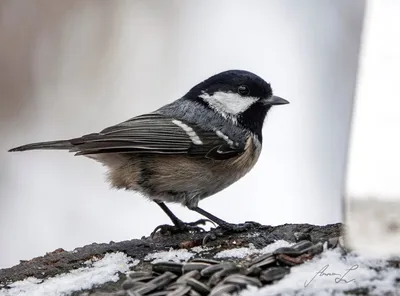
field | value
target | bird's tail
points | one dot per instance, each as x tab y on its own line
51	145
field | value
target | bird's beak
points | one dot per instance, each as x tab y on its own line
275	100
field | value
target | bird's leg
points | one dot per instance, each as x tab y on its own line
179	225
225	227
213	218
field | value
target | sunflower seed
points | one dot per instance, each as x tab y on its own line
140	279
194	266
218	291
132	293
273	274
191	274
252	271
315	249
198	286
159	293
204	260
128	284
299	236
242	280
301	246
137	285
180	291
287	251
265	262
258	259
219	275
194	293
173	286
136	274
208	271
163	279
144	289
162	267
287	260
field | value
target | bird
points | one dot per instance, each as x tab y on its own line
187	150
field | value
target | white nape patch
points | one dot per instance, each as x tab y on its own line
171	255
228	103
95	273
189	131
225	137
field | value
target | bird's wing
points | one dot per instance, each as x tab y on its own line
157	134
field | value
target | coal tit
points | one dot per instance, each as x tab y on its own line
187	150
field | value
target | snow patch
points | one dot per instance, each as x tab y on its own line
96	273
275	245
333	272
171	255
244	252
200	249
237	253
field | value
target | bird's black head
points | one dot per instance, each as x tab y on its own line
238	95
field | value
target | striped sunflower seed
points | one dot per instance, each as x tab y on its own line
194	266
191	274
136	274
287	251
315	249
180	291
220	290
242	280
253	271
266	262
260	258
194	292
301	246
299	236
159	293
198	286
273	274
209	271
138	279
219	275
173	267
144	289
163	280
204	260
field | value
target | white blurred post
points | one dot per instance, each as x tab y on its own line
373	177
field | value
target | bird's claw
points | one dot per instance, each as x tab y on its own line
200	221
228	228
181	227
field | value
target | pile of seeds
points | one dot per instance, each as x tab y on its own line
201	276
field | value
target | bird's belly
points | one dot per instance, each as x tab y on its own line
180	179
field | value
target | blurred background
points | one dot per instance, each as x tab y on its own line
74	67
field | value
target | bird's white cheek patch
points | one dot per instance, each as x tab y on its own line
189	131
228	102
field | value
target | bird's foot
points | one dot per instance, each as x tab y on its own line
180	227
228	228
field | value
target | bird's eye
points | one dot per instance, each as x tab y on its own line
243	90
